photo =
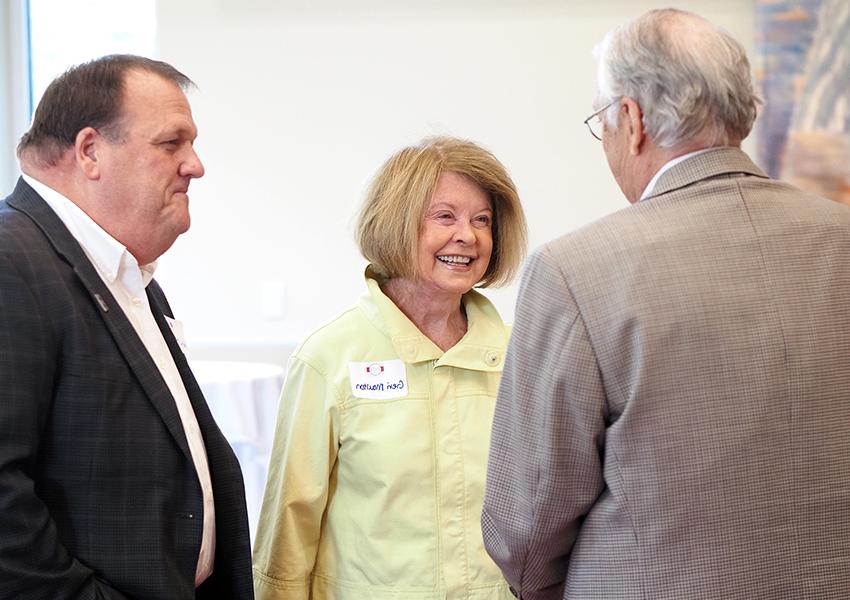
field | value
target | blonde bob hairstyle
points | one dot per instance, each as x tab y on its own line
393	210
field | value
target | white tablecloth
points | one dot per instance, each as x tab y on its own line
243	398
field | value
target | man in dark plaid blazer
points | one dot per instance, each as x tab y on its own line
115	482
673	420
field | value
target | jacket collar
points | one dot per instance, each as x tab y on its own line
26	200
482	348
712	163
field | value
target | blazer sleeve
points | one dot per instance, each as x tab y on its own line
33	562
545	465
303	455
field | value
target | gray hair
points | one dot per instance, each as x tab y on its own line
690	78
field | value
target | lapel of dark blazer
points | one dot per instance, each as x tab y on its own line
26	200
161	309
225	472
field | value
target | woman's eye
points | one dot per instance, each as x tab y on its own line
483	220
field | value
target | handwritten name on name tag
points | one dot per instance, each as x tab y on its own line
378	380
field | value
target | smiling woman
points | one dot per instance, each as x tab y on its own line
456	238
377	470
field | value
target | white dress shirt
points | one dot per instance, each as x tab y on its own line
127	281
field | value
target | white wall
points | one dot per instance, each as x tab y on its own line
300	101
14	89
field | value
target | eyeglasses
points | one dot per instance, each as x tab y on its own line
594	121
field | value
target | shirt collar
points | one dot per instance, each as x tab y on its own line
105	252
481	348
647	191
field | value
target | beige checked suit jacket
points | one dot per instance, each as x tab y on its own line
673	420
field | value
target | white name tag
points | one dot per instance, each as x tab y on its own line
379	380
177	330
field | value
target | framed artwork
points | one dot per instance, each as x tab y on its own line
804	127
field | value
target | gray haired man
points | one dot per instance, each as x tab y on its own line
674	415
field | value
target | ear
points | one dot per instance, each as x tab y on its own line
634	125
86	149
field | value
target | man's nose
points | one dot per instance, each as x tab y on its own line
192	166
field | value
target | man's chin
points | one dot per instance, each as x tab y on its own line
181	219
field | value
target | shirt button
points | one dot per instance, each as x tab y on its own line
410	351
492	358
136	300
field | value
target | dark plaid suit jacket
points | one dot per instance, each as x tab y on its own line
98	493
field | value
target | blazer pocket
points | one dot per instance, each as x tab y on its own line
91	367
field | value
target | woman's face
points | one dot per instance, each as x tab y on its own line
456	239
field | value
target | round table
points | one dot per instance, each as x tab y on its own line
243	398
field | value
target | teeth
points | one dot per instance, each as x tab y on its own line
462	260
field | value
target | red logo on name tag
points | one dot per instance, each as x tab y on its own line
375	369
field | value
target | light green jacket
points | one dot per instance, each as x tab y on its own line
373	499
